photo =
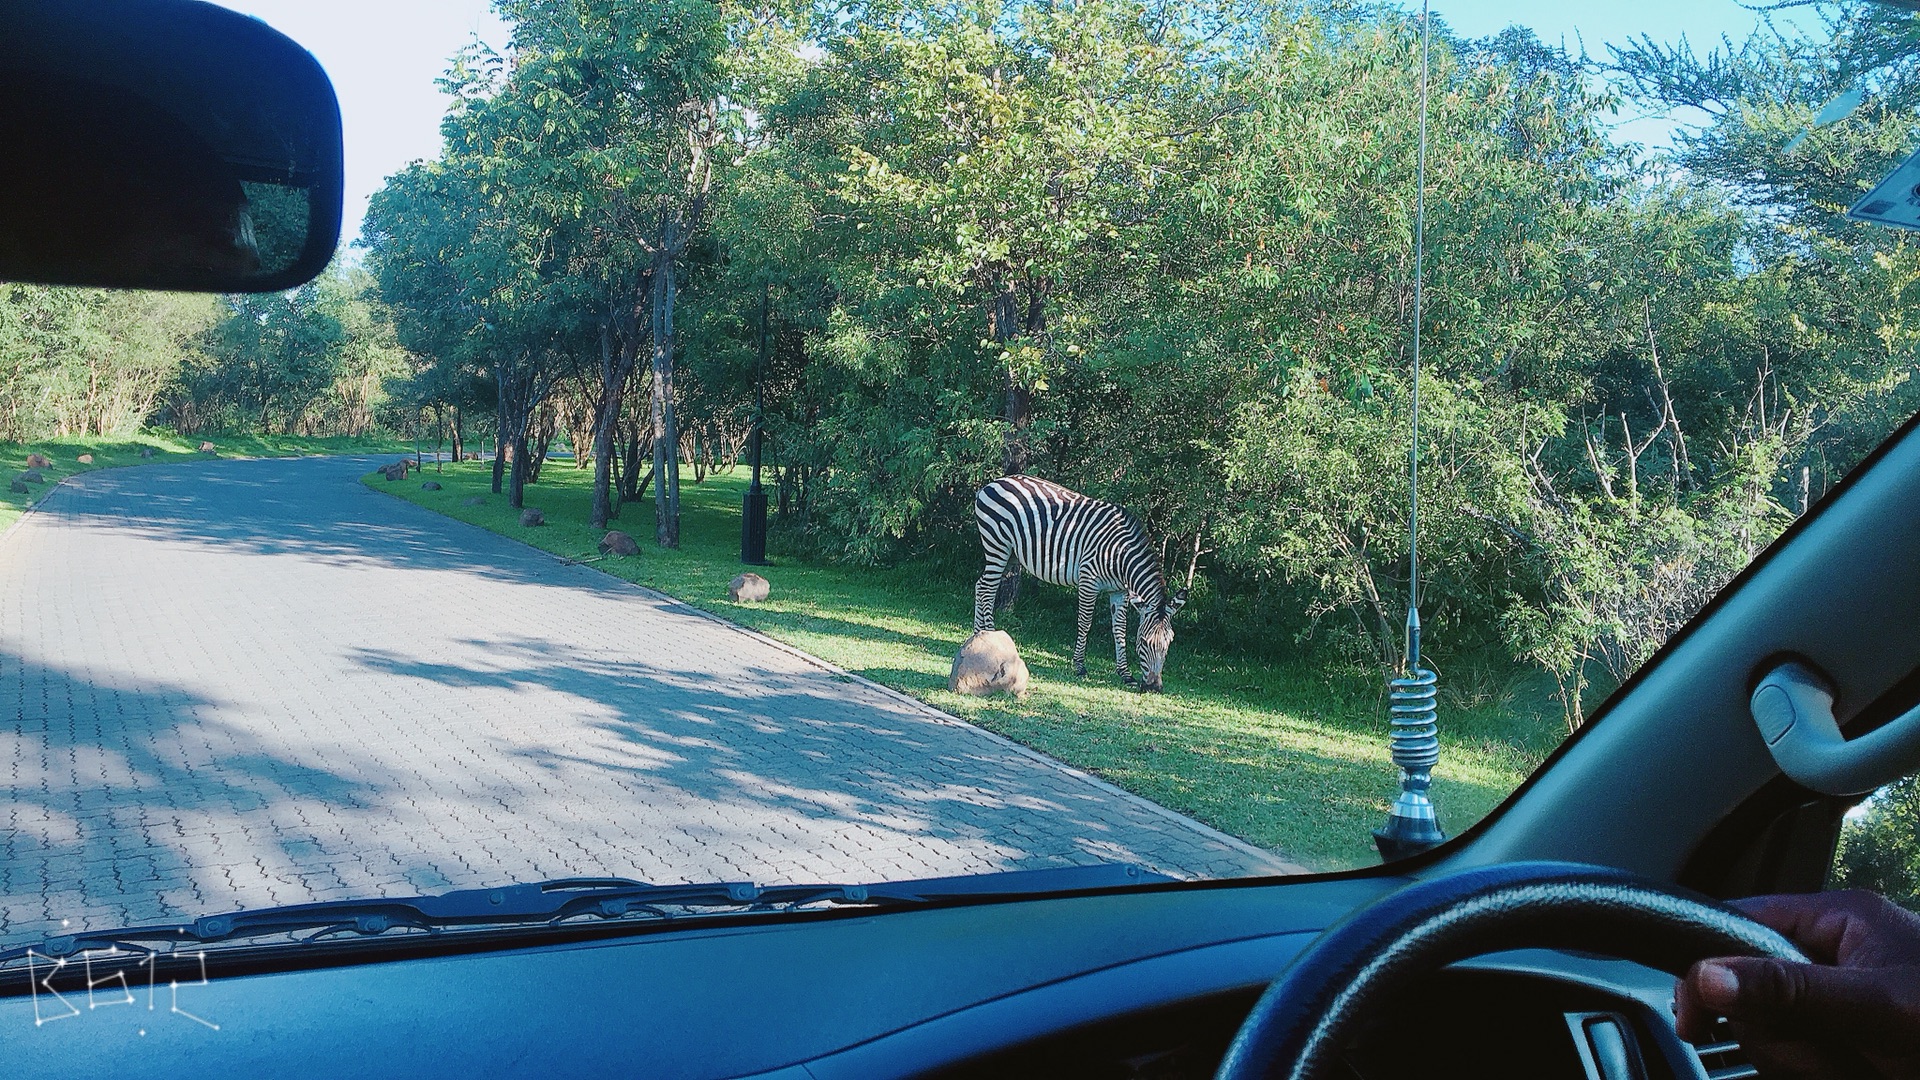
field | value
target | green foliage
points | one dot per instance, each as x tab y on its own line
1160	251
1880	845
310	361
90	361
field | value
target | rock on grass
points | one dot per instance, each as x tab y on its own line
748	588
531	517
618	543
988	664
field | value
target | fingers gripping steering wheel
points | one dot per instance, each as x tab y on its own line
1299	1025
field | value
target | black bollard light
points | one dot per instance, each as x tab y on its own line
753	516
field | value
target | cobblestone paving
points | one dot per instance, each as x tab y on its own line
232	684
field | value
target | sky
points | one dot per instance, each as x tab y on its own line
384	56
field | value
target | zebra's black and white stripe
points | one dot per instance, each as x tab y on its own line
1065	538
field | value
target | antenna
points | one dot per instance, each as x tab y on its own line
1415	743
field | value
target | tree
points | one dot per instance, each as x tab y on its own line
608	130
90	361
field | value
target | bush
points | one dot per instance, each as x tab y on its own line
1880	846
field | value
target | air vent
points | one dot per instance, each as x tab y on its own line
1724	1061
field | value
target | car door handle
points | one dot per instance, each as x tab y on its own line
1793	708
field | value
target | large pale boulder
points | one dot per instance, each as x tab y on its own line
208	448
989	664
85	459
38	461
748	588
618	543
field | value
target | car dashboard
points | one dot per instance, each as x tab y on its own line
1143	983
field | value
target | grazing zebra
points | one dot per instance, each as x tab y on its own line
1064	538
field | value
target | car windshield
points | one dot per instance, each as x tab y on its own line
747	445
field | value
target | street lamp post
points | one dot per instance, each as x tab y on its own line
753	517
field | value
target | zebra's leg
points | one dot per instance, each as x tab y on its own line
987	589
1089	598
1120	637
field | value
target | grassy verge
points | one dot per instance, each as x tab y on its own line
1283	756
108	452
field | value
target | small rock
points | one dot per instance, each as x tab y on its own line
988	664
38	461
748	588
85	459
618	543
430	485
207	448
19	488
473	500
146	451
531	517
32	476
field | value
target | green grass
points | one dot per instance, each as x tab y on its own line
109	452
1269	750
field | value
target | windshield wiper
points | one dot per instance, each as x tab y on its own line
554	902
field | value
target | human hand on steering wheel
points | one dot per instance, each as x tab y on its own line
1299	1026
1859	996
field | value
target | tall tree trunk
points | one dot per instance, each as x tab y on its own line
1004	322
459	437
542	427
630	489
666	434
499	429
1002	327
1016	456
517	481
616	364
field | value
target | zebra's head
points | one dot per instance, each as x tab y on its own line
1156	637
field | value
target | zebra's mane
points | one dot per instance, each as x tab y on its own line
1138	530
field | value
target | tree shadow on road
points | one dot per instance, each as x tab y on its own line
131	803
828	761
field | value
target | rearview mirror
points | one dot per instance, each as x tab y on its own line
162	144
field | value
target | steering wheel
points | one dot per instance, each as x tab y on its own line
1299	1025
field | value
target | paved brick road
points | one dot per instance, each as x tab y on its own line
243	683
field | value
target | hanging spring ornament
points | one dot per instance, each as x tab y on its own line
1415	743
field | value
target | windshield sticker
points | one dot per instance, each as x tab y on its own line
106	977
